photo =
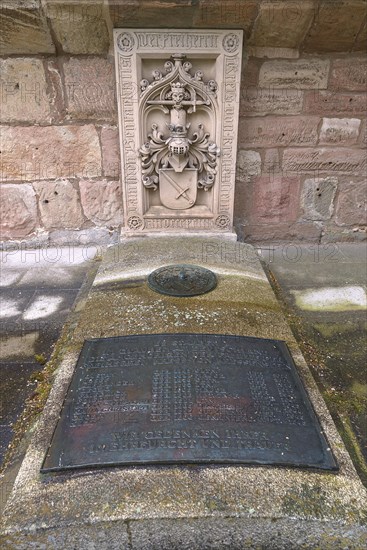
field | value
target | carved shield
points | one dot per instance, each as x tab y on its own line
178	190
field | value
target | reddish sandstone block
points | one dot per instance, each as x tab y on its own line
275	199
318	198
110	151
351	206
282	232
224	13
343	160
59	204
90	88
335	26
269	101
349	73
18	211
44	153
282	23
324	103
102	203
277	131
307	73
23	89
339	131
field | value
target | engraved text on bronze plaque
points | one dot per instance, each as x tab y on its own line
186	398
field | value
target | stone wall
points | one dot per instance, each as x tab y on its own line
301	171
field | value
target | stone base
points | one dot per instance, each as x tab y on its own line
191	506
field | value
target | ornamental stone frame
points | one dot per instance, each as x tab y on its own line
178	99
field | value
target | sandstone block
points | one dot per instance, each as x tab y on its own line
250	73
269	101
340	131
151	13
349	73
18	211
335	26
225	13
275	199
325	103
351	208
248	164
273	53
80	27
102	202
360	42
277	132
56	94
291	73
363	134
23	91
271	161
318	198
343	160
282	24
24	28
90	88
59	204
43	153
110	151
280	232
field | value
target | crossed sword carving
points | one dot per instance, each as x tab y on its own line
181	191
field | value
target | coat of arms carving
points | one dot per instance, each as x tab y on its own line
182	157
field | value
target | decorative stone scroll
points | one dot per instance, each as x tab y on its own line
178	97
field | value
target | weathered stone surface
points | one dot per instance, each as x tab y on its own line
90	88
360	42
56	90
325	103
336	25
278	132
250	73
278	232
101	201
318	198
79	27
271	161
93	238
341	131
224	14
152	13
273	53
351	208
275	199
248	164
18	211
342	160
299	74
23	91
59	204
110	151
41	153
349	73
282	23
363	134
24	28
264	101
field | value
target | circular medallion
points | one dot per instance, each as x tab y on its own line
182	280
231	42
135	222
222	221
125	42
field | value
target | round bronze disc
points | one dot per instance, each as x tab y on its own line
182	280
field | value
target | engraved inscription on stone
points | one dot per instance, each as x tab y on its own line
183	398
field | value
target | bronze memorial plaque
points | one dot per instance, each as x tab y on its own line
186	398
182	280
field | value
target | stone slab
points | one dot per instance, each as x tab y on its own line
308	505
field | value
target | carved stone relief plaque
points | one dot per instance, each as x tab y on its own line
178	97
